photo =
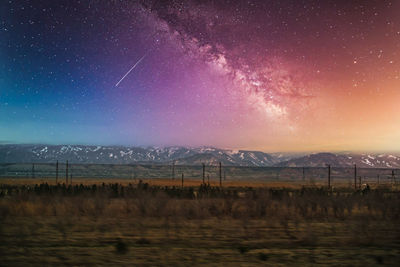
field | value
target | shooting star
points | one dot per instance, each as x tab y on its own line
134	66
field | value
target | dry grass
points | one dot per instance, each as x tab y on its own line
74	241
158	224
169	182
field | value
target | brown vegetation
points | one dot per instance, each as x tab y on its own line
145	224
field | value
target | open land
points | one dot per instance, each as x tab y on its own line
159	222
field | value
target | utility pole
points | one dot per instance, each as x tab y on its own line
66	173
204	173
304	174
220	174
182	180
355	177
378	179
33	170
57	172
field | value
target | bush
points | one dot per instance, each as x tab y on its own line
121	247
263	256
143	241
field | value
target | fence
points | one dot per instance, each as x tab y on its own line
328	175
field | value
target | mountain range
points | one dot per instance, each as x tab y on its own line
16	153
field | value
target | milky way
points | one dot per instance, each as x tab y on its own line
267	75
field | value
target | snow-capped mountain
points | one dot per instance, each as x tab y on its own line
187	156
212	156
344	160
130	155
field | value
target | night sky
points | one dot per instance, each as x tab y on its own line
262	75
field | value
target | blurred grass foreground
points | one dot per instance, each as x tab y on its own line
140	223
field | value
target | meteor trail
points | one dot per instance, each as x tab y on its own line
134	66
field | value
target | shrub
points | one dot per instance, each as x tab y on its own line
121	247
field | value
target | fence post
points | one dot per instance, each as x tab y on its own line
304	174
329	176
182	180
378	179
66	173
57	172
355	177
70	176
393	178
33	170
204	173
220	174
173	170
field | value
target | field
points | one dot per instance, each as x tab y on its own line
159	222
